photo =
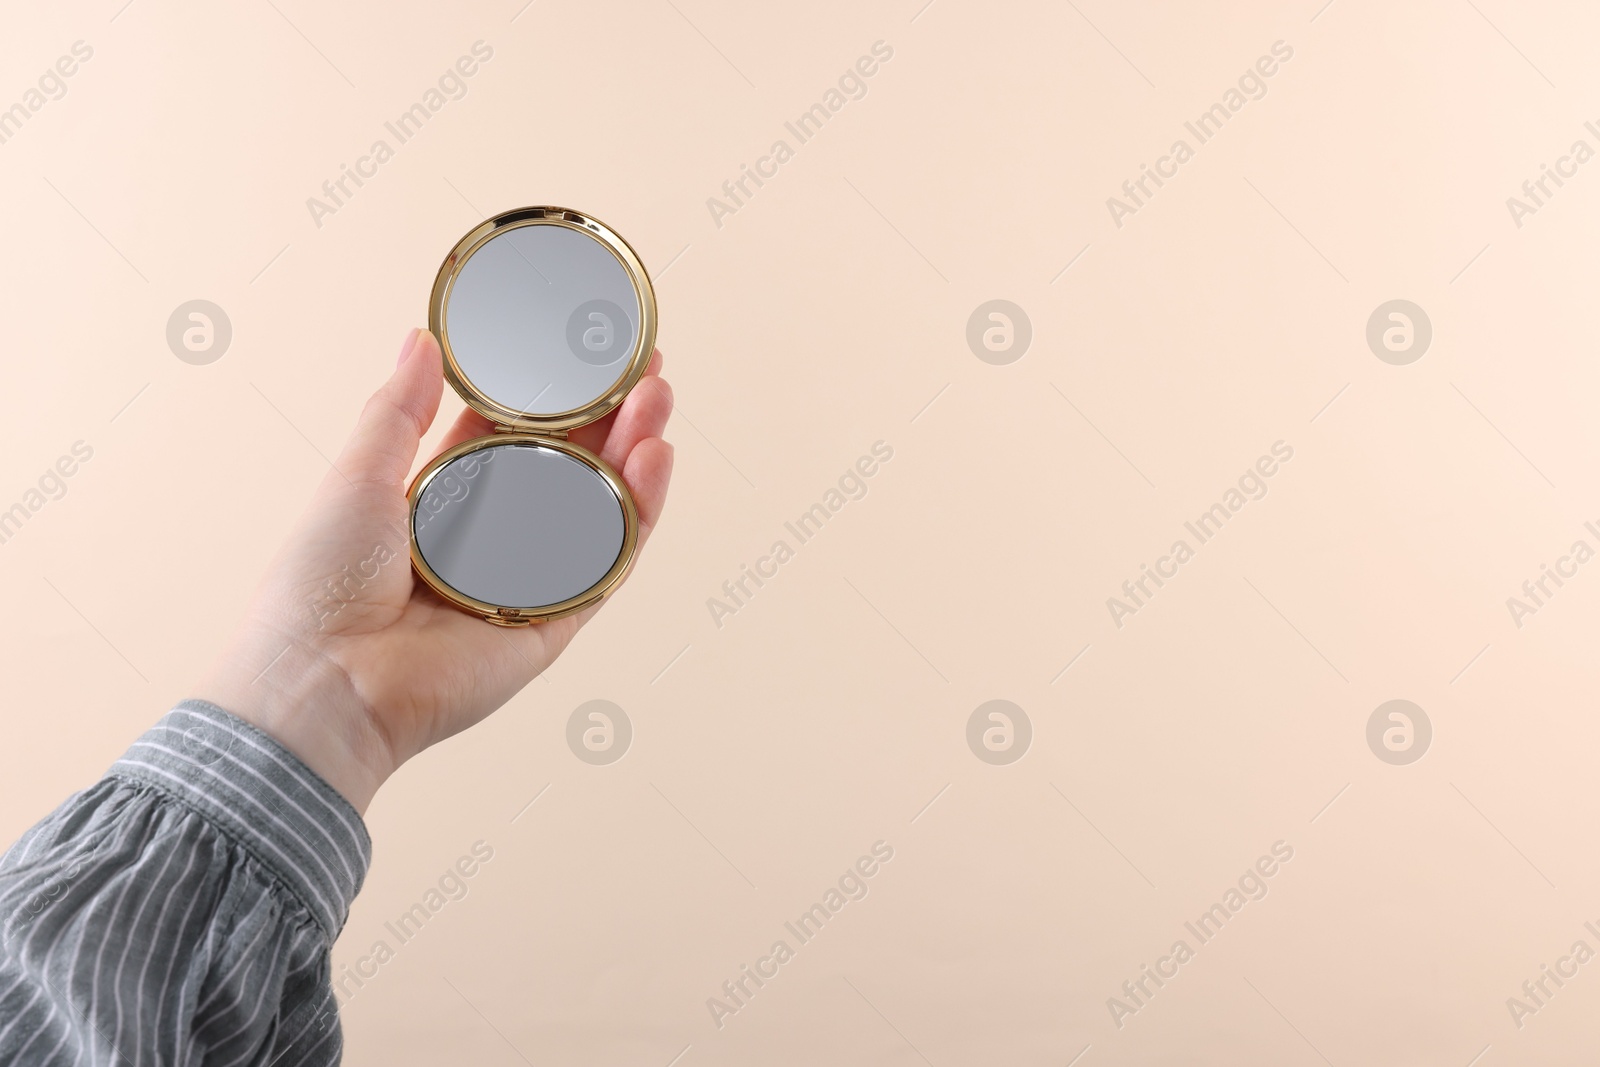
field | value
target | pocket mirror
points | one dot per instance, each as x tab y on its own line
547	319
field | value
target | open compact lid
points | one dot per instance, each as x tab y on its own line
546	317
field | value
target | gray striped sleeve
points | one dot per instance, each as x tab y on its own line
181	910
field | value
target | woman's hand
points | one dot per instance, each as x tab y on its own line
342	655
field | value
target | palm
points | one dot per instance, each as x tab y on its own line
435	671
429	670
388	655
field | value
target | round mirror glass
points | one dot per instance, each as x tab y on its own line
542	319
519	525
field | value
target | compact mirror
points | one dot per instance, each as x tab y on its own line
519	524
542	319
546	319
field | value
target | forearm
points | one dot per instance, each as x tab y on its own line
182	909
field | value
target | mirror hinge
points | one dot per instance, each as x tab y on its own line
562	434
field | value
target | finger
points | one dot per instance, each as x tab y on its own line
593	436
468	424
384	443
647	471
644	414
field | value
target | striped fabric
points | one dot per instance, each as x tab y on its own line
181	911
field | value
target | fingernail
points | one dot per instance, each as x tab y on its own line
409	347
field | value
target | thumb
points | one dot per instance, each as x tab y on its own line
384	443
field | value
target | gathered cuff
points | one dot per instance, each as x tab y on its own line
260	794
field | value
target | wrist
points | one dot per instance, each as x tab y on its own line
306	702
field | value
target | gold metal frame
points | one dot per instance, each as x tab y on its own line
512	616
450	270
514	427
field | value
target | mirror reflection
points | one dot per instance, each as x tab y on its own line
519	525
542	319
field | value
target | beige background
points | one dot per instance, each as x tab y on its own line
827	314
